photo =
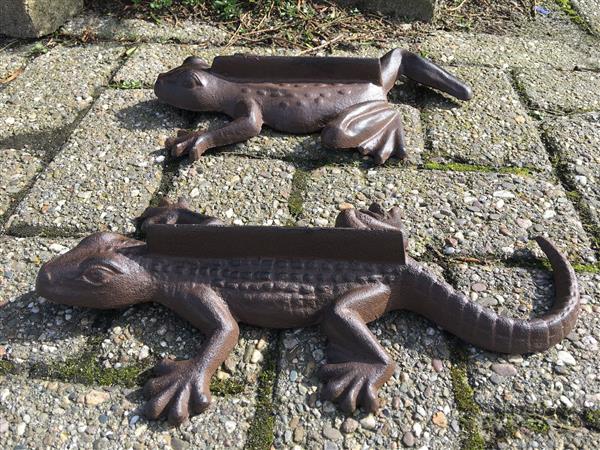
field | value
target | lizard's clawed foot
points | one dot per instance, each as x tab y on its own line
374	218
189	143
178	390
353	385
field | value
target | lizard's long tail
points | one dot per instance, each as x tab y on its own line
402	62
482	327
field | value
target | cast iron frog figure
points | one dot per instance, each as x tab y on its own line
346	98
340	278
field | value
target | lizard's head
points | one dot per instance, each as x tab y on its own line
98	273
188	86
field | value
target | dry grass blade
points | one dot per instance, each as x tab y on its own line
14	74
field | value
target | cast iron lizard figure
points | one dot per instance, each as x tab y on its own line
346	98
340	278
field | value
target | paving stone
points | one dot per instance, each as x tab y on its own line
565	376
577	141
107	172
485	213
553	23
556	437
17	169
50	94
590	11
46	414
578	92
136	30
32	329
13	57
507	51
408	401
237	189
35	18
492	129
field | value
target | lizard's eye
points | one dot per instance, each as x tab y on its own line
192	80
98	275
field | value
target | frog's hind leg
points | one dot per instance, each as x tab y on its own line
374	128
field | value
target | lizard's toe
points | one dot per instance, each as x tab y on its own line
155	407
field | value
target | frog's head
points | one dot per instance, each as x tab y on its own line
100	272
189	86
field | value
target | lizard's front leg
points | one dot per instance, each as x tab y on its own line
357	366
181	388
247	123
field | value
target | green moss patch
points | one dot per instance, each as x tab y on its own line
592	418
461	167
296	198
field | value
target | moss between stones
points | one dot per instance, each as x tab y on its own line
592	418
569	10
225	388
463	395
127	84
262	430
461	167
296	198
7	367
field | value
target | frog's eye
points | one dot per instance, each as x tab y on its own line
98	275
195	61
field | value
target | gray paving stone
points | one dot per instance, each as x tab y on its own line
135	30
17	169
577	140
561	91
107	172
408	400
12	58
50	94
238	190
46	414
552	379
590	11
32	329
554	438
556	25
484	213
491	129
507	51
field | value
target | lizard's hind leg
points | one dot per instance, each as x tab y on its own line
357	365
374	128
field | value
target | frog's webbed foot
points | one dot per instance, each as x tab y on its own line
374	128
173	213
374	218
178	390
186	143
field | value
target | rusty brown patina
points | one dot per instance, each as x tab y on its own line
340	278
344	98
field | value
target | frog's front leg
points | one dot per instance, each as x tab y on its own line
247	123
181	388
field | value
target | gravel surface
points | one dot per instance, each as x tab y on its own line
31	329
563	377
417	405
51	93
461	213
559	91
49	414
238	190
135	30
508	51
108	171
577	140
17	169
13	57
590	10
491	129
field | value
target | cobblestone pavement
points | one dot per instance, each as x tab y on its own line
81	149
